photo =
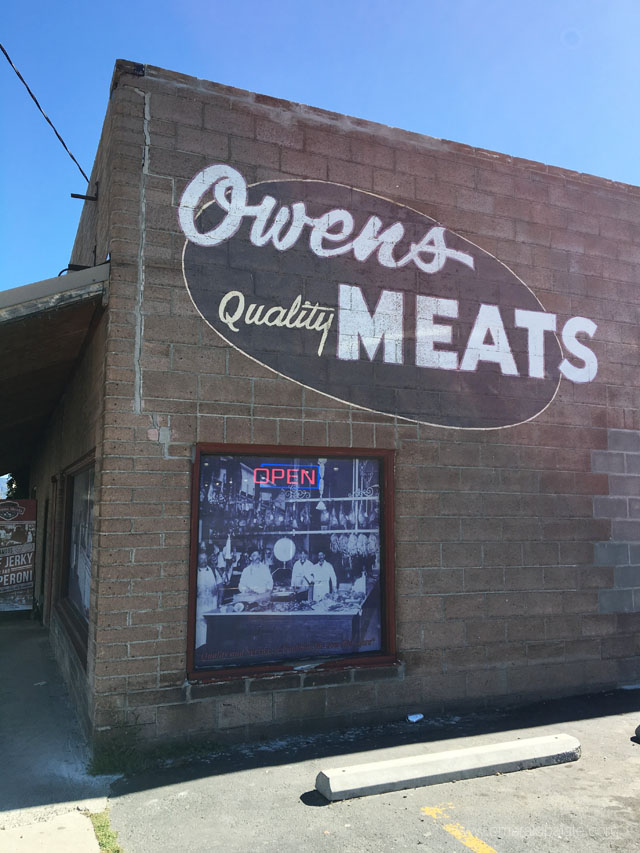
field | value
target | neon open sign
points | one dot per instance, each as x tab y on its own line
276	476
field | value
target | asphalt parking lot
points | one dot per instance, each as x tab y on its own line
262	797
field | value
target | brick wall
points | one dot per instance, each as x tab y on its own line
498	594
621	504
74	430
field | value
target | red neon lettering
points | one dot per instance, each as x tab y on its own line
292	475
310	475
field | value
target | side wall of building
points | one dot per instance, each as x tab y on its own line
499	593
74	431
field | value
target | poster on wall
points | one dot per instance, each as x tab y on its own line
288	558
17	554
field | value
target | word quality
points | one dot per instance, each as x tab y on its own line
299	315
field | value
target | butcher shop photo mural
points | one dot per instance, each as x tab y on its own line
288	558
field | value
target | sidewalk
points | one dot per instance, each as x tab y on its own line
44	783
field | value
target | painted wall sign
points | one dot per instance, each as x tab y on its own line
17	554
373	303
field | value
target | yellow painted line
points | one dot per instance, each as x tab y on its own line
465	837
441	813
437	811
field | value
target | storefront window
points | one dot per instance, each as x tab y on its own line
288	558
79	539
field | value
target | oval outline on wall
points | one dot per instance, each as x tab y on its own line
343	401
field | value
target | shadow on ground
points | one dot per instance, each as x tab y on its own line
45	755
366	738
44	752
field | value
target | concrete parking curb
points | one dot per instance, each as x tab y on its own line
378	777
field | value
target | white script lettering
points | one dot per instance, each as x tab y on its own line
229	191
299	315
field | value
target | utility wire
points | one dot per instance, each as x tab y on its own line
35	100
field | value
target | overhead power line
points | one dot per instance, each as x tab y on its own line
35	100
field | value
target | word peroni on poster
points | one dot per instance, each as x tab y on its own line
17	554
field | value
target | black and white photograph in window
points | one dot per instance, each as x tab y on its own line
289	559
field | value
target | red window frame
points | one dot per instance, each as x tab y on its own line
387	653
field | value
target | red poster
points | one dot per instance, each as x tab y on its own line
17	554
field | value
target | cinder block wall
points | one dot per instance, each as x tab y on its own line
498	594
74	430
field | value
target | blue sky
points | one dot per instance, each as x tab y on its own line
551	80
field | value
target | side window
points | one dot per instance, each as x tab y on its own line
73	587
79	533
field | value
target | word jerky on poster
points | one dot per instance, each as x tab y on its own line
373	303
17	553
